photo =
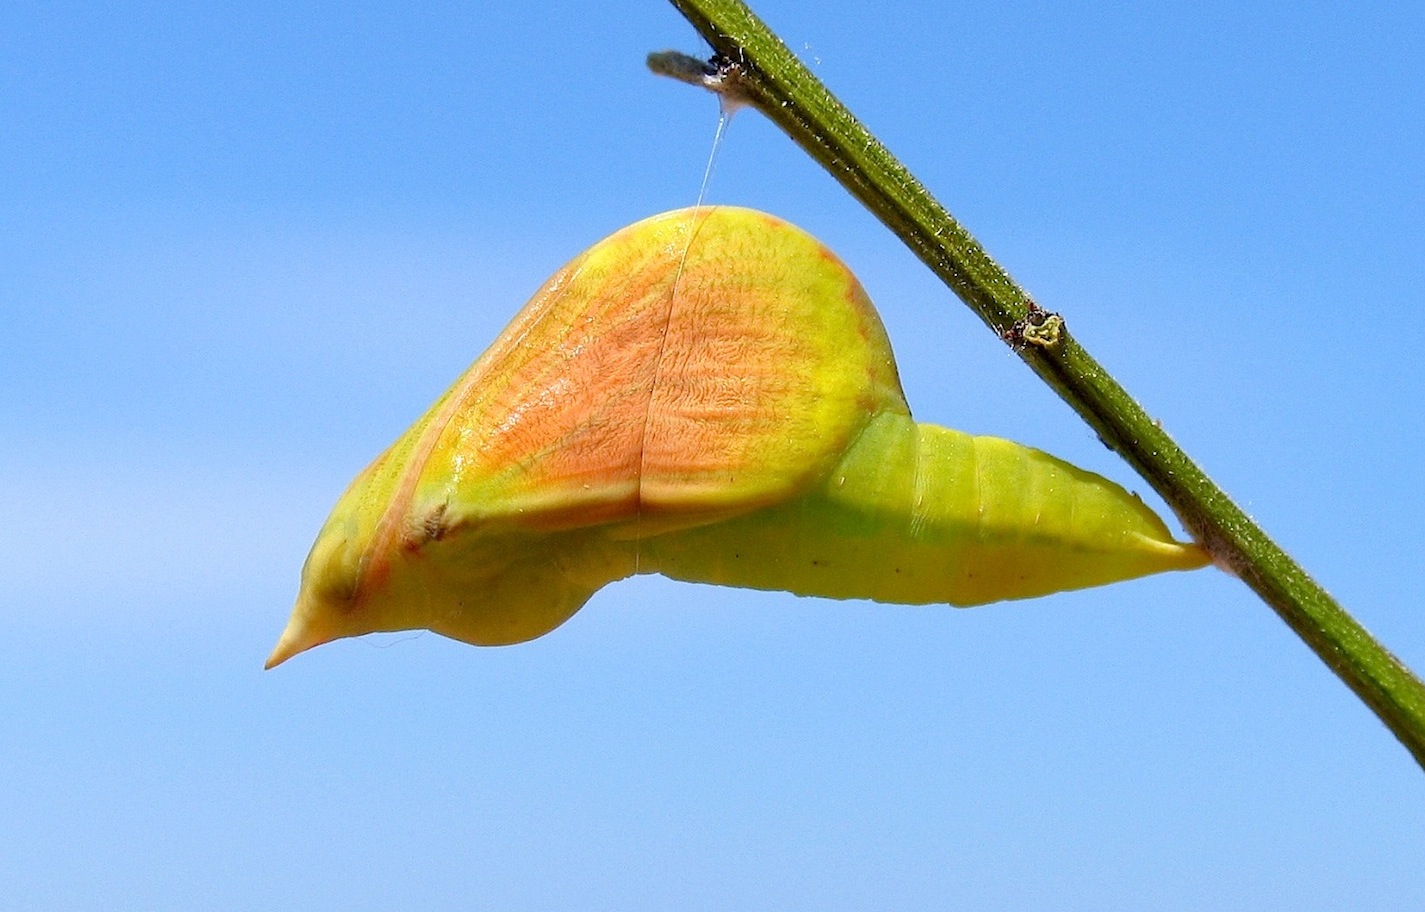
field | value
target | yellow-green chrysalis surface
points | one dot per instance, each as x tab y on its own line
710	395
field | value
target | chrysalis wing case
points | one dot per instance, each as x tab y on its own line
707	394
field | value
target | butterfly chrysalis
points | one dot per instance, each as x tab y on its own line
707	394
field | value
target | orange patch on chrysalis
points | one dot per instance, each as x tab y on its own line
653	376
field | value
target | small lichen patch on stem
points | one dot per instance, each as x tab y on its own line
1039	328
1044	333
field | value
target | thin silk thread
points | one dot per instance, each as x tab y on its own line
724	117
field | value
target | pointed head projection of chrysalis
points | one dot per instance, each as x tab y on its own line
694	367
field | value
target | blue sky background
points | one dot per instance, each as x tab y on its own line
243	245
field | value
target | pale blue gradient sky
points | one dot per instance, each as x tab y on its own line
242	246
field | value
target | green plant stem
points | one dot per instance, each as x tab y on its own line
757	68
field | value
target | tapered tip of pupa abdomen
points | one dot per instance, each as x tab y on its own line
1166	555
1034	573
